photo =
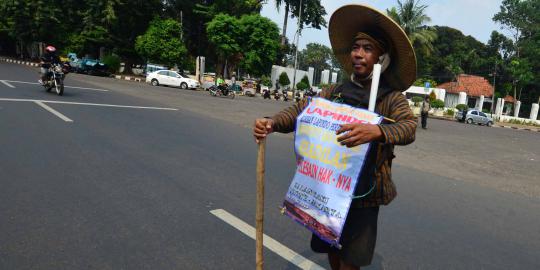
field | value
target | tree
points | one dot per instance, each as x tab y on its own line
522	18
411	17
284	79
259	43
312	14
162	43
315	55
251	42
223	33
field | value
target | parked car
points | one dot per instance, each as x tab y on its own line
171	78
475	116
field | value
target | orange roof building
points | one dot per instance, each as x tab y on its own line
473	86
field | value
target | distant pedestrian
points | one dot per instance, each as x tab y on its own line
425	110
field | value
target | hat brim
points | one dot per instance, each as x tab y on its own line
348	20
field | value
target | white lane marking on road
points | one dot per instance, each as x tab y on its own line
53	111
268	242
7	84
65	86
88	104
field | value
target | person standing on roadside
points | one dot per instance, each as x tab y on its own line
425	111
362	37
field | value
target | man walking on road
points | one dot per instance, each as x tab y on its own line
361	37
425	110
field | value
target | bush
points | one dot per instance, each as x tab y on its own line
437	104
265	80
449	112
113	62
302	85
417	100
485	111
305	80
462	107
284	79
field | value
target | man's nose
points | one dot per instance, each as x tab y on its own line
358	53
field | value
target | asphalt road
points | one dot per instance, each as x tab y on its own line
132	188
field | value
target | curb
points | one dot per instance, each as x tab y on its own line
517	128
494	125
128	78
32	64
14	61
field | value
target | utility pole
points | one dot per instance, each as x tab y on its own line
494	81
298	31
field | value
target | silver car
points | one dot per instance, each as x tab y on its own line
476	117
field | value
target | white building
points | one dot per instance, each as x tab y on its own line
277	70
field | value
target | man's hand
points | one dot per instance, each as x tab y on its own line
261	128
358	134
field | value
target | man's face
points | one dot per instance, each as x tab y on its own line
363	56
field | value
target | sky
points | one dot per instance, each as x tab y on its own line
470	17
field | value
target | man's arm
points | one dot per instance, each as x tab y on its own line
403	131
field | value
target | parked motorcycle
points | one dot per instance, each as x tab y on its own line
57	74
222	91
297	97
285	95
310	93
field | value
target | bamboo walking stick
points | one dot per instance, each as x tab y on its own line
260	204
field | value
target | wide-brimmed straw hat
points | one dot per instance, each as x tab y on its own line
348	20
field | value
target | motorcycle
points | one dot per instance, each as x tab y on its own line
277	96
297	97
310	93
57	73
285	95
266	94
222	91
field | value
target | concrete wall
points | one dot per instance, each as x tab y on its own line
277	70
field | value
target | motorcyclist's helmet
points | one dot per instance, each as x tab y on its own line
50	49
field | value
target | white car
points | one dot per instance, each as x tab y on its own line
171	78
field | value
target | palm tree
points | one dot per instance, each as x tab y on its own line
278	5
411	17
312	14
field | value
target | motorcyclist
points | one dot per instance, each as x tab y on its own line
49	57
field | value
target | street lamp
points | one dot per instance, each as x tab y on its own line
298	31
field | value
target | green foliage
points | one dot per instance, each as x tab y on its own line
417	100
305	79
485	111
315	55
521	19
223	32
259	43
437	104
410	15
265	80
161	43
421	82
462	107
284	79
301	85
251	41
112	61
449	112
